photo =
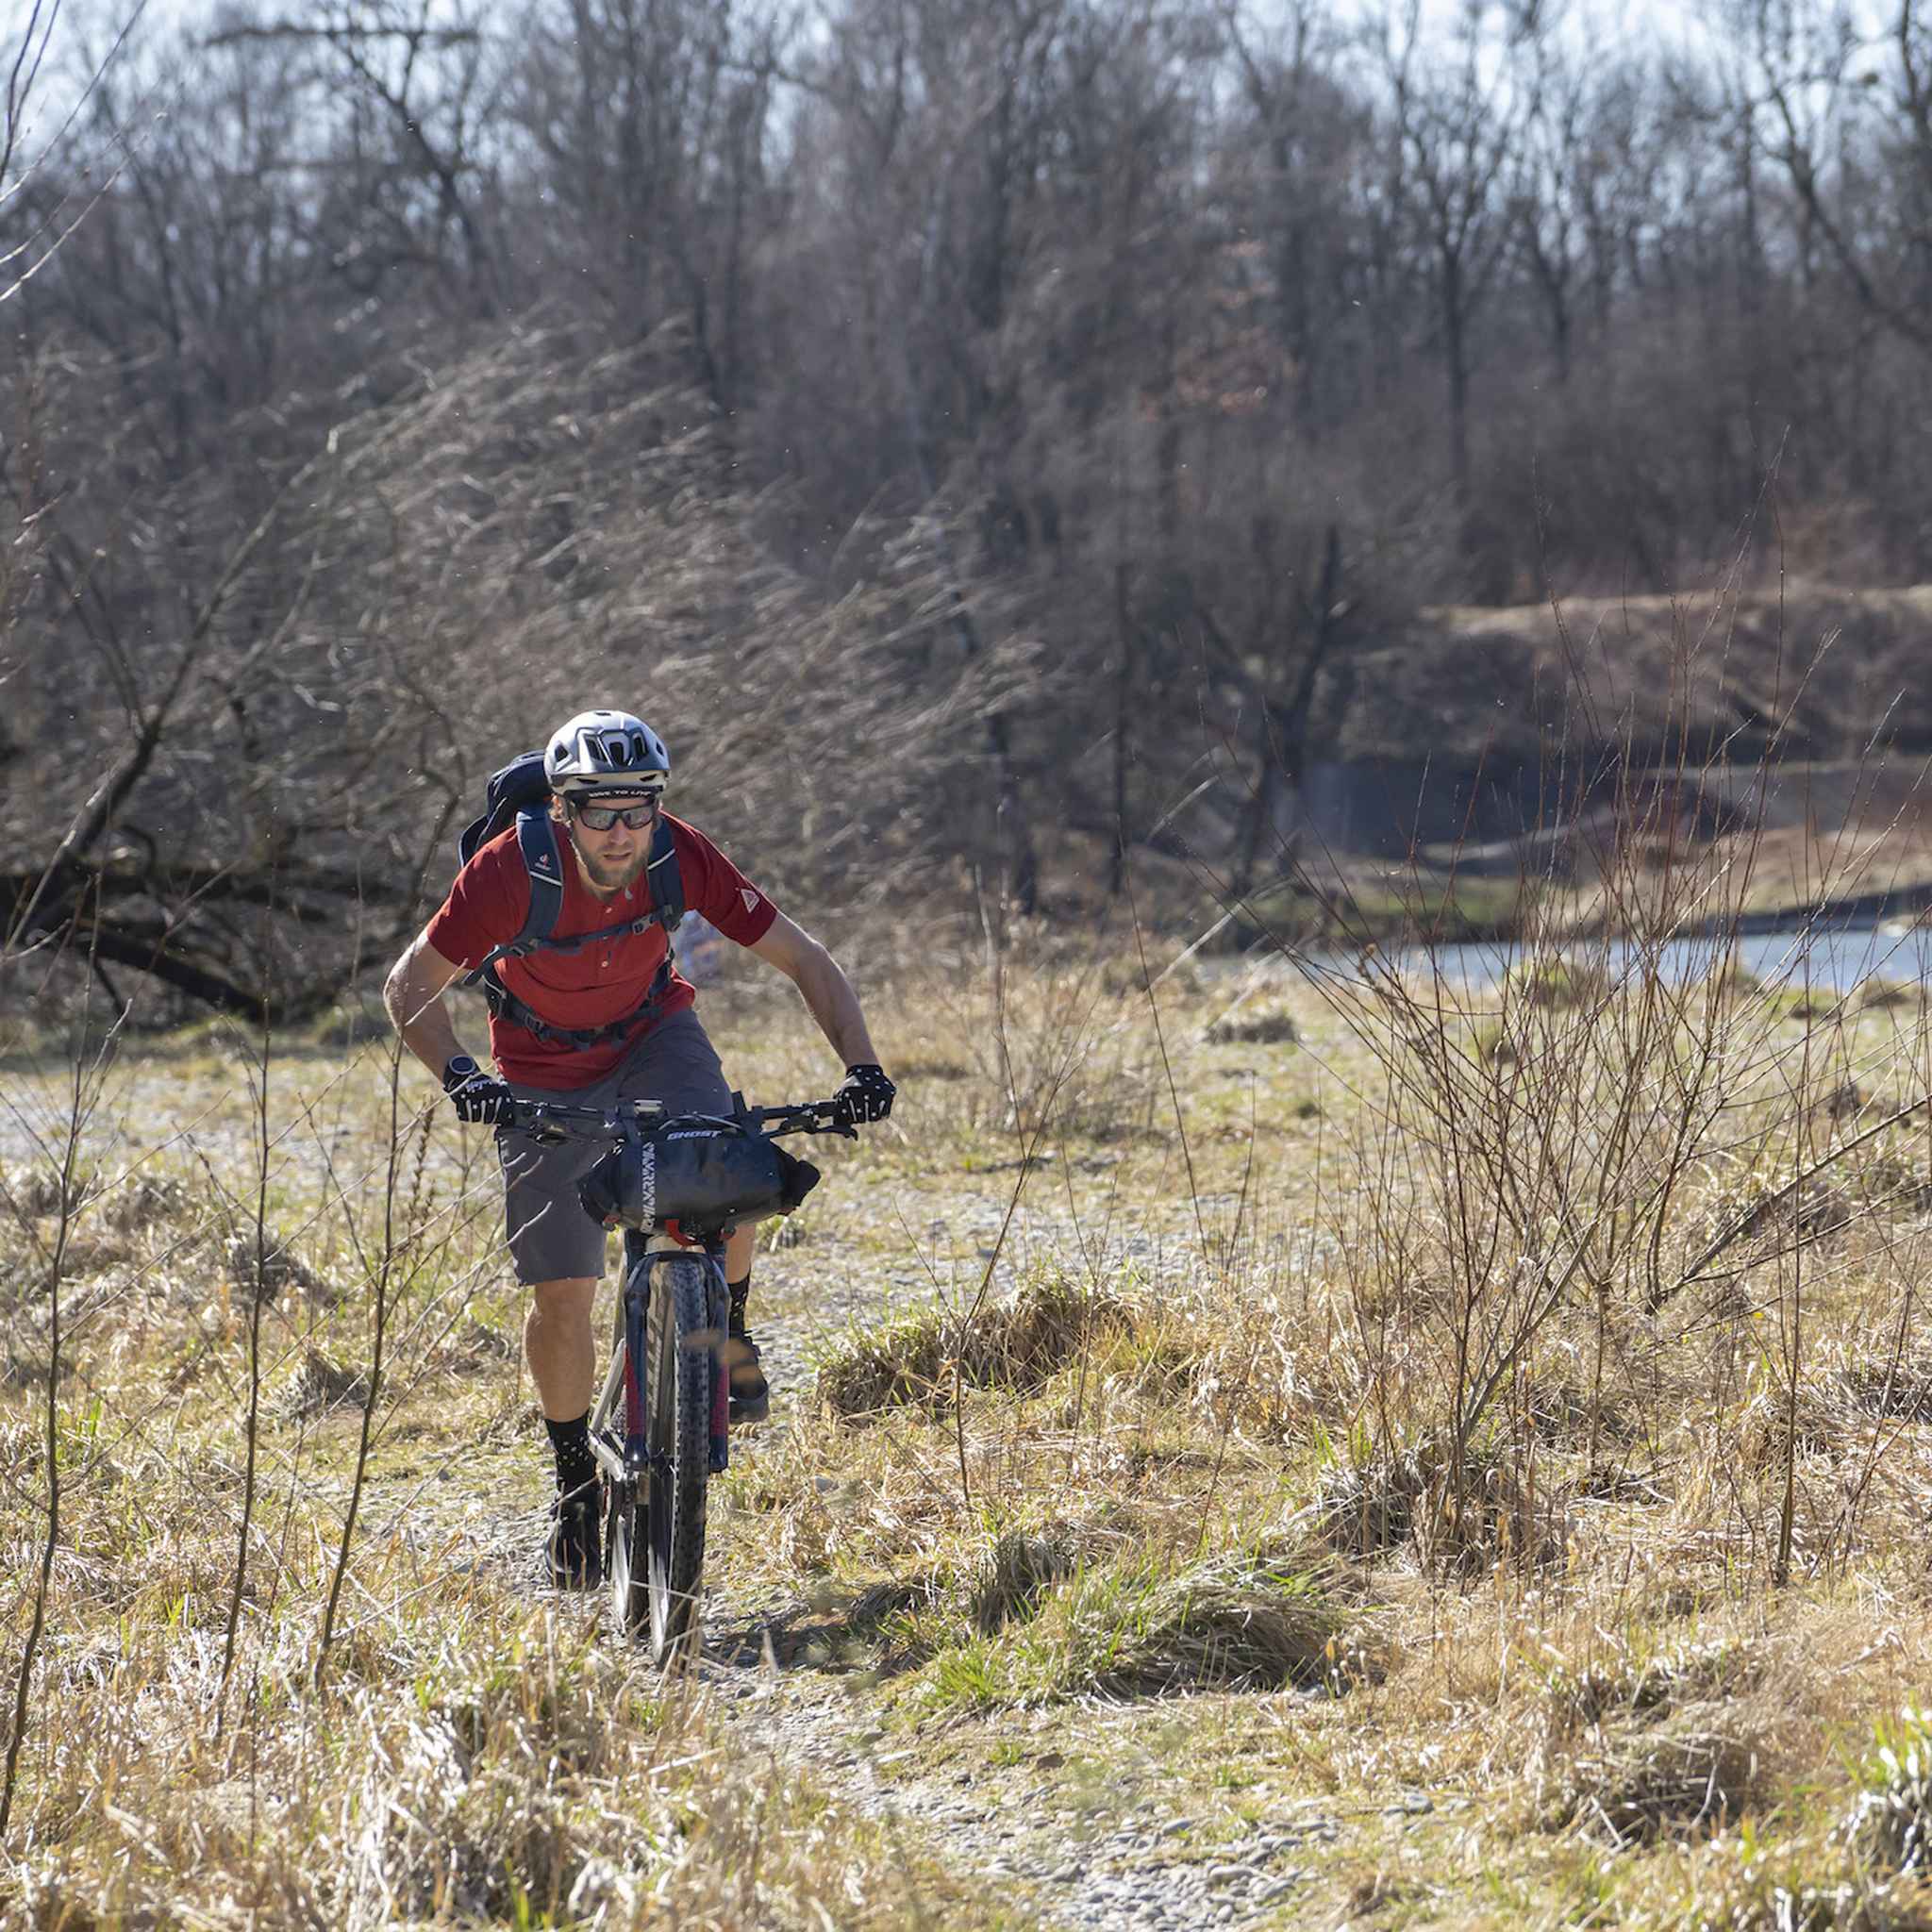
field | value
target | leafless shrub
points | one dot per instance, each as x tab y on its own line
395	566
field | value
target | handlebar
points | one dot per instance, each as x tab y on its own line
553	1120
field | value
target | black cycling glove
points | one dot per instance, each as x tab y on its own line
864	1094
477	1095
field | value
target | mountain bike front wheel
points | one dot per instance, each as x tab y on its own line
679	1374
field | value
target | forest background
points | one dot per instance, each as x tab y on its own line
989	441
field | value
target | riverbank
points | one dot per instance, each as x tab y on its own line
1752	883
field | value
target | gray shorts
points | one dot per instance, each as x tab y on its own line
550	1238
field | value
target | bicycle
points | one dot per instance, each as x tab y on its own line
676	1183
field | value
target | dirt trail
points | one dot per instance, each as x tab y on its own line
1118	1859
1136	1868
1115	1858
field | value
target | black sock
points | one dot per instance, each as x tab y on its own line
575	1465
737	1290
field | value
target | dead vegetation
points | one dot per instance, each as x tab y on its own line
1680	1779
1554	1461
923	1359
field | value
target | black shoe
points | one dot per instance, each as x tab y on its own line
750	1394
575	1550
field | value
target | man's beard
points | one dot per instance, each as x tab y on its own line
613	879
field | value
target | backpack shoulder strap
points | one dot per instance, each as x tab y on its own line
537	842
667	881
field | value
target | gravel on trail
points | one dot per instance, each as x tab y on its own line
1134	1870
1138	1868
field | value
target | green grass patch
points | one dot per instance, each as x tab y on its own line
1136	1628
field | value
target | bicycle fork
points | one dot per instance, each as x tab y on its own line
717	1320
622	1407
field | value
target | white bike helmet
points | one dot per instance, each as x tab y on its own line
606	751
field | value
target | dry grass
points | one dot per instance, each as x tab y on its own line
1244	1621
1682	1778
479	1751
923	1357
1548	1433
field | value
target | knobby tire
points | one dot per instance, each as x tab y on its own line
680	1365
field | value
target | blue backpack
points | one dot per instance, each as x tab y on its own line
520	794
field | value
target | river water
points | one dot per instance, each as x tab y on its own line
1830	958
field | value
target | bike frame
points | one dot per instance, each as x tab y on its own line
620	1418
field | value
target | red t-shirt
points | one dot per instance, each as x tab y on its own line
490	902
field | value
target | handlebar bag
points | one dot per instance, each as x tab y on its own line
701	1177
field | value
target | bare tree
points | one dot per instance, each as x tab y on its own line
32	232
650	128
1458	126
1849	120
1316	136
415	90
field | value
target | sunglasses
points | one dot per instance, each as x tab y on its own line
601	818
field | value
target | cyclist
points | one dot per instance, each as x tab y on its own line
595	1022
